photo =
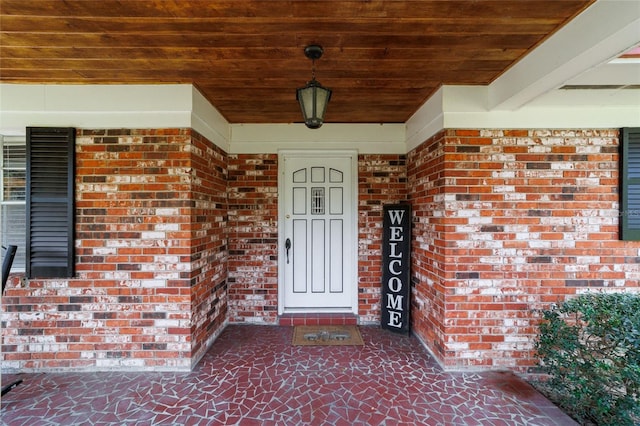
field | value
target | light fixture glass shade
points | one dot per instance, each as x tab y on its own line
313	99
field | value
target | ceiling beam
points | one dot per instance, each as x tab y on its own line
600	33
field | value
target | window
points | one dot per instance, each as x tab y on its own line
50	202
630	184
12	197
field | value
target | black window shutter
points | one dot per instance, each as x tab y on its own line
50	202
630	184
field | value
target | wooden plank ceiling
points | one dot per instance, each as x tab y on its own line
382	59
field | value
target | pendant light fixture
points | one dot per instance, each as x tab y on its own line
313	97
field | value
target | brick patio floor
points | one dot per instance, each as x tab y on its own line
253	376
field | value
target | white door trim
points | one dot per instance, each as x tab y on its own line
353	257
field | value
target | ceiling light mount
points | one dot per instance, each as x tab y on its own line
313	52
313	97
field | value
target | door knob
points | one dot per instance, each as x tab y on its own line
287	246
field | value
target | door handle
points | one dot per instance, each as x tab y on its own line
287	246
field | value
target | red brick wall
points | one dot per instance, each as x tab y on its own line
253	238
175	238
209	244
426	188
150	255
382	179
507	222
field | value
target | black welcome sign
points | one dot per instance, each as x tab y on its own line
396	261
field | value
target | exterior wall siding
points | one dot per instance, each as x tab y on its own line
382	179
426	188
149	291
175	238
253	238
209	244
508	222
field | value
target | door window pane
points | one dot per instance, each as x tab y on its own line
317	201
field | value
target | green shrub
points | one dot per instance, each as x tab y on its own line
590	348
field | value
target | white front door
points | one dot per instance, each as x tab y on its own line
318	237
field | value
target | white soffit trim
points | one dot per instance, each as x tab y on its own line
365	138
208	121
600	33
94	106
614	73
426	121
465	107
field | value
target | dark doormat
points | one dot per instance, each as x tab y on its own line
326	335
